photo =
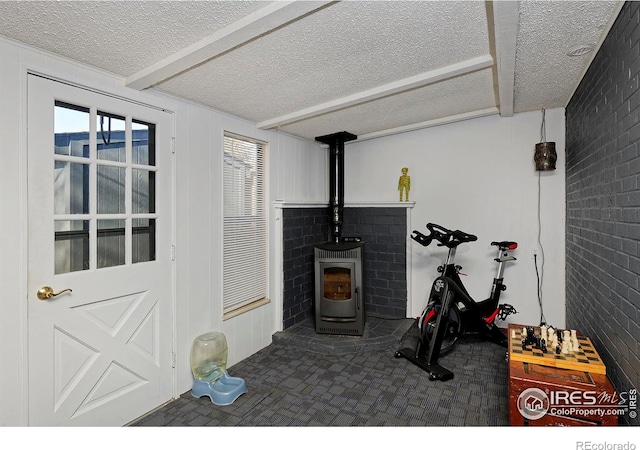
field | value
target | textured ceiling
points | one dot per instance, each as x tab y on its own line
313	68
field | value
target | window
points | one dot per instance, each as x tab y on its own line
115	226
245	224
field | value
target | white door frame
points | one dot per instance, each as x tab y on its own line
23	326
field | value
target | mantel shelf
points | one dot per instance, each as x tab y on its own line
289	204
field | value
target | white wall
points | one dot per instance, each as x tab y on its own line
477	176
199	242
296	173
484	165
12	247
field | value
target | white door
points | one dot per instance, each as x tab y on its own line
100	215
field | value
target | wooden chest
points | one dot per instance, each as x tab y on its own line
543	395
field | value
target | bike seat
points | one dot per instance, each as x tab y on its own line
505	245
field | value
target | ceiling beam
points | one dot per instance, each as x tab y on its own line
505	20
430	123
252	26
394	87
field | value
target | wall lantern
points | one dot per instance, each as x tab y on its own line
545	155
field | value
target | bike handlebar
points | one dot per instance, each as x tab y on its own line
447	238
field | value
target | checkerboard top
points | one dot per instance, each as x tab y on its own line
586	359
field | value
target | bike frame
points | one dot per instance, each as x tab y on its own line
486	309
448	293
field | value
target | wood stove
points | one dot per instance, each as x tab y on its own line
339	307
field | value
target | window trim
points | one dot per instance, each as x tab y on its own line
235	308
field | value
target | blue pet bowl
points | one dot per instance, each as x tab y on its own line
223	392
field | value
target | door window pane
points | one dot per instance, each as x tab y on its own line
144	143
144	240
111	190
111	137
71	245
70	188
71	128
144	187
111	239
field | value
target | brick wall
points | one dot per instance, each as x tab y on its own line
383	231
302	228
603	203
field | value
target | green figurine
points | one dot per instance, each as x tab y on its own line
404	183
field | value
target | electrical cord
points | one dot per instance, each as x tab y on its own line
542	318
543	128
540	274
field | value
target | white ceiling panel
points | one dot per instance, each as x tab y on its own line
315	68
545	75
463	94
344	48
121	37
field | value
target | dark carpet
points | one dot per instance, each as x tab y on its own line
307	380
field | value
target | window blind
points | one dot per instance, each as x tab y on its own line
245	224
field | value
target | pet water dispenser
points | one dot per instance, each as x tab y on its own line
209	369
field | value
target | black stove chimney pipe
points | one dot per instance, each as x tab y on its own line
336	178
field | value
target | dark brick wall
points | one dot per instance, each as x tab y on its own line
302	228
383	231
603	203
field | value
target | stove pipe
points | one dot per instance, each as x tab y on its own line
336	179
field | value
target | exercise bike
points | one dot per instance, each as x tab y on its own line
451	312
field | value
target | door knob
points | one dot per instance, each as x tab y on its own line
46	292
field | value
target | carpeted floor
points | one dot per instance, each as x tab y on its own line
308	380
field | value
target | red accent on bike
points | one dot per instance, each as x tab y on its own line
513	246
429	315
489	320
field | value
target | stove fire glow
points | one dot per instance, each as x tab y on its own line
339	303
